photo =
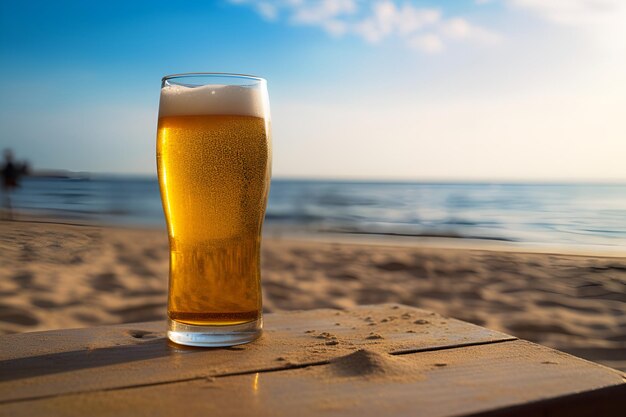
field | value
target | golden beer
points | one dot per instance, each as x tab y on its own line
214	172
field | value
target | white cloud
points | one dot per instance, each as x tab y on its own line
321	11
601	21
573	12
429	43
415	26
422	28
267	10
387	19
380	24
335	27
459	28
412	19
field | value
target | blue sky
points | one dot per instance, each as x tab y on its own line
501	89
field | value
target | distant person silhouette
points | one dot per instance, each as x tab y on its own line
10	180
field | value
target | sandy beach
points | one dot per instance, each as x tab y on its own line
55	275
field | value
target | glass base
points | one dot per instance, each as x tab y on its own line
213	336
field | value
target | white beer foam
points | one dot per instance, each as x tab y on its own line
179	100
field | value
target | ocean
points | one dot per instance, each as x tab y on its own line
563	214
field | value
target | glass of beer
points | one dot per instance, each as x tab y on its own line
214	164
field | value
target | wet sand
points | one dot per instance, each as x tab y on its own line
56	275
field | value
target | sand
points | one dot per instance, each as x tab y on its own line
367	364
56	275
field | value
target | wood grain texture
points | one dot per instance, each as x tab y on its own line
59	362
508	378
412	362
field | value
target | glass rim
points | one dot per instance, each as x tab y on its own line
212	74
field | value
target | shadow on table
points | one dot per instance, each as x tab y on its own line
53	363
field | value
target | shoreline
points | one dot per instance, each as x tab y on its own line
367	238
455	243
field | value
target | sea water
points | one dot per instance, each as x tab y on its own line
577	214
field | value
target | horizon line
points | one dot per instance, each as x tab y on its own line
42	173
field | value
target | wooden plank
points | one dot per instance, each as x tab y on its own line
504	379
606	402
45	364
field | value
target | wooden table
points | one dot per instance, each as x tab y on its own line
370	361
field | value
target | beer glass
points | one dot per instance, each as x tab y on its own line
214	165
